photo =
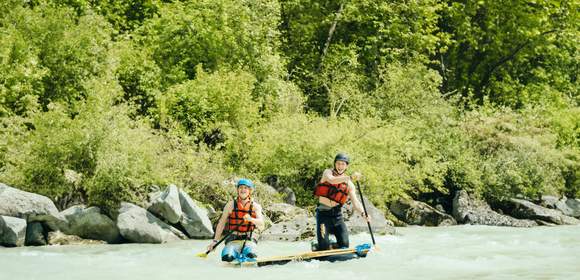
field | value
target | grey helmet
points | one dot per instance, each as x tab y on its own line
342	157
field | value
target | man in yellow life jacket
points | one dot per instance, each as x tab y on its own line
333	191
240	216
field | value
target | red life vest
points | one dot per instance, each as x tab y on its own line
335	192
236	218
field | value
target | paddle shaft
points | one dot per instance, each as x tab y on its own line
366	213
244	244
219	242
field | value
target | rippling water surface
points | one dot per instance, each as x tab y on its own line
459	252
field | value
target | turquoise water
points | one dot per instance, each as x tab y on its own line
460	252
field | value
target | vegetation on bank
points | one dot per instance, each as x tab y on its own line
99	100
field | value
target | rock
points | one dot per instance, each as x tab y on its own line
211	212
357	224
12	231
468	210
59	238
419	213
195	219
35	235
281	212
29	206
544	223
561	205
139	226
167	205
266	191
154	195
300	228
524	209
89	223
548	201
574	205
287	193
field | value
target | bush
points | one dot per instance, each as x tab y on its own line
518	153
216	34
138	75
210	107
47	54
115	157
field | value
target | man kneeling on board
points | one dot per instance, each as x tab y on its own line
333	191
242	216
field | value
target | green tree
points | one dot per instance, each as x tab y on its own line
377	33
47	54
512	52
238	34
211	107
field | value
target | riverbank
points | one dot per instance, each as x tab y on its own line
171	215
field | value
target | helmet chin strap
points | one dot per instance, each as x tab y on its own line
339	173
248	197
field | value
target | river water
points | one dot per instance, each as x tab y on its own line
458	252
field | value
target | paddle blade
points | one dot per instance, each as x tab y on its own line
202	255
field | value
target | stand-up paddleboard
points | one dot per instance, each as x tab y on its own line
359	251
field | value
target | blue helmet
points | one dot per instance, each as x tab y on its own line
246	182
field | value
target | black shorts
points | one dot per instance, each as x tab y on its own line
331	222
234	237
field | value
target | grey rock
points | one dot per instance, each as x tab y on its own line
89	223
288	195
524	209
59	238
29	206
568	207
167	205
419	213
574	205
281	212
154	195
468	210
300	228
139	226
549	201
266	189
13	231
35	234
564	205
195	218
544	223
357	224
211	212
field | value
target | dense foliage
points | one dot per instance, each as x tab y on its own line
101	100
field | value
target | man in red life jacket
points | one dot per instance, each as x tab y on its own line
240	217
333	191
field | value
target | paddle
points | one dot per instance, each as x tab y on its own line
366	213
204	255
243	258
